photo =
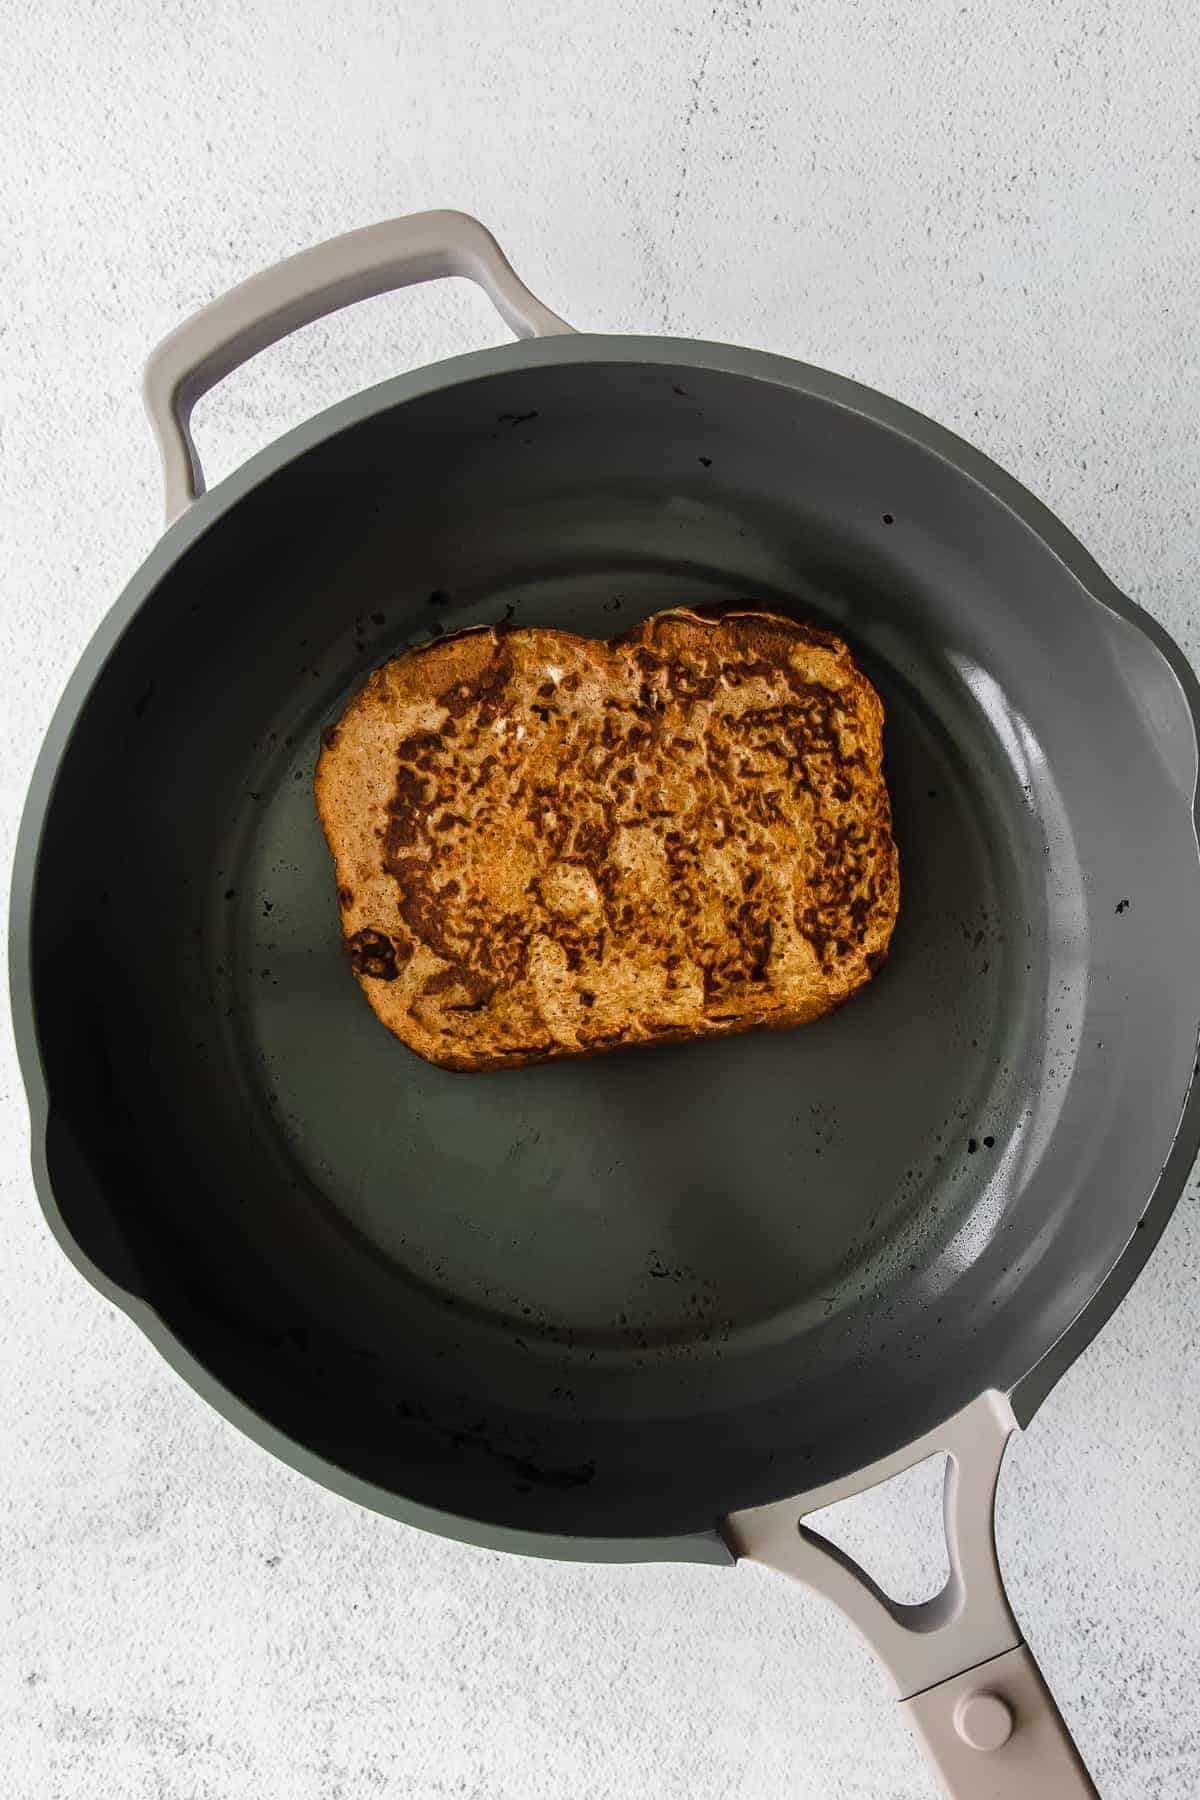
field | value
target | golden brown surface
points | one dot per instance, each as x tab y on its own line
548	845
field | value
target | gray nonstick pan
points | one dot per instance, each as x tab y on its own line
664	1303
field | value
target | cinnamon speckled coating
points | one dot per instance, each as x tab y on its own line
548	845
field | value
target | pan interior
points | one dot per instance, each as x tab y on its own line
628	1294
692	1202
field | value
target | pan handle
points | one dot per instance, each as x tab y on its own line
970	1686
397	253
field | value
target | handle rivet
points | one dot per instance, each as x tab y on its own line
983	1720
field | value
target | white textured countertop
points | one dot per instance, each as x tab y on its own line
989	211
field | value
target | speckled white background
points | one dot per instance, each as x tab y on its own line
989	210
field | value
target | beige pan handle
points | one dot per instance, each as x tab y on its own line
970	1687
218	339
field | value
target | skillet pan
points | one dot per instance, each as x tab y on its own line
664	1303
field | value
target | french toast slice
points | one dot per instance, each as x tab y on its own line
547	845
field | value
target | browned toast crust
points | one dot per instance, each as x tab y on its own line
548	845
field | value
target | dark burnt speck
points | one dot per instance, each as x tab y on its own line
375	954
